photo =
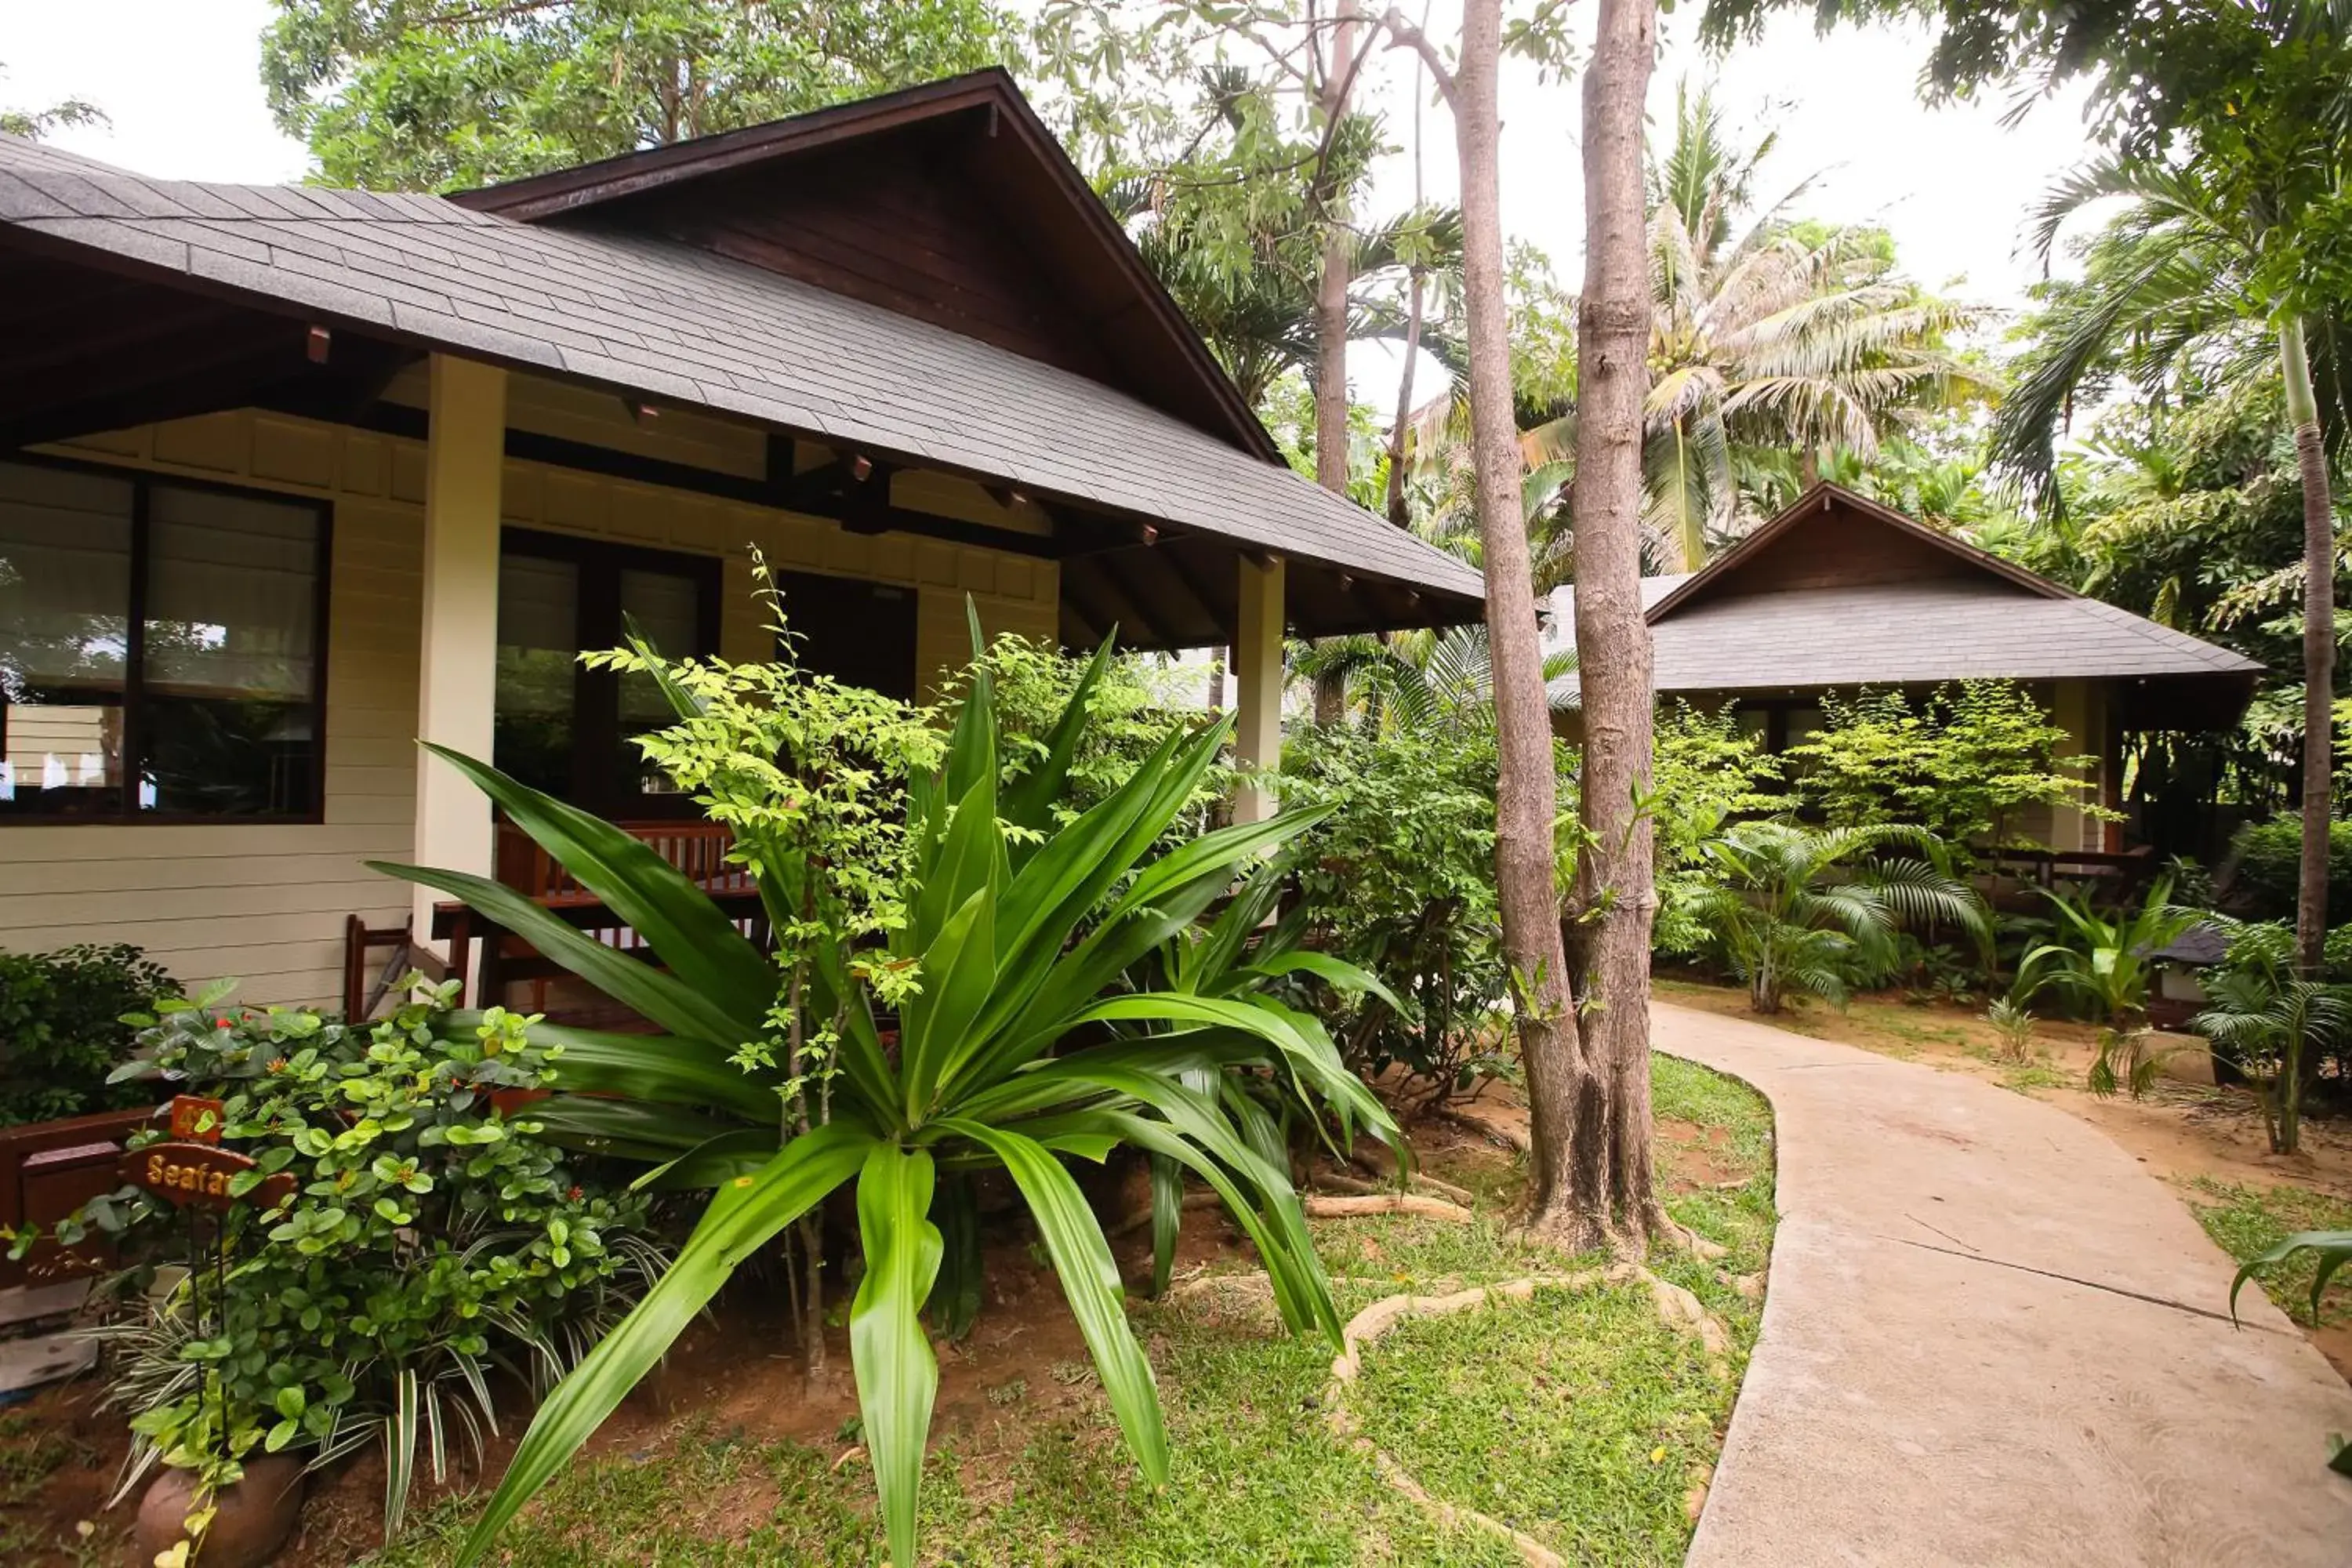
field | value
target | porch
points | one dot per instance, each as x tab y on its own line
344	470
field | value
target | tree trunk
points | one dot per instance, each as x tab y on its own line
1566	1099
1331	324
1614	898
2318	650
1414	302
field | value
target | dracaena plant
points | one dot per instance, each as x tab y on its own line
1018	1046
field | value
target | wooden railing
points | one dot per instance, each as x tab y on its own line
2048	866
697	848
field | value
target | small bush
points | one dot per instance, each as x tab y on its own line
61	1029
1966	762
1704	772
431	1243
1400	879
2270	863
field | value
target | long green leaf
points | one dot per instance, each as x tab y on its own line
963	865
1030	802
399	1448
715	1164
936	1035
576	1117
1076	977
1335	972
898	1377
1277	1224
742	1218
665	1069
1167	1219
1062	881
662	999
1052	1083
668	1068
955	1295
690	934
1303	1298
1314	1061
1090	1280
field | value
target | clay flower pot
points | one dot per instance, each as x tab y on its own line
252	1520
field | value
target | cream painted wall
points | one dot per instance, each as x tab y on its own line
267	903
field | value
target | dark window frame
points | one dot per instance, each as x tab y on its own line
598	745
143	483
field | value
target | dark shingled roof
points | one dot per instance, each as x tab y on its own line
663	320
1997	623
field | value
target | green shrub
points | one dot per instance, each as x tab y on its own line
430	1243
61	1028
1131	707
2270	866
1964	763
1027	1032
1399	879
1704	771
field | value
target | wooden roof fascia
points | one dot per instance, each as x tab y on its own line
1824	495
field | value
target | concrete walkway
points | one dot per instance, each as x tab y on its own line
1992	1338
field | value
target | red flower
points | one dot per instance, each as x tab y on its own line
220	1023
577	1194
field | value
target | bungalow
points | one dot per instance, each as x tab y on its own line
1839	593
290	476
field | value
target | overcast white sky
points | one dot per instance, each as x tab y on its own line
180	79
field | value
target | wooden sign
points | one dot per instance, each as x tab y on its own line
196	1119
199	1174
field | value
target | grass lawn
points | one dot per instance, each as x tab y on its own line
1579	1418
2246	1221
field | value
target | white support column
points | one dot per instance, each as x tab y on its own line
1257	682
465	459
2078	708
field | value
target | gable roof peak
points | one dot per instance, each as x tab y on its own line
1005	238
1821	500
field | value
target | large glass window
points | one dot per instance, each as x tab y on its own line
566	729
159	648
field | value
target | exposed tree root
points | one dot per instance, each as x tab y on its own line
1502	1132
1462	1195
1319	1206
1340	1181
1532	1553
1663	1228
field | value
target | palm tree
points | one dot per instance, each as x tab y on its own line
1438	678
2203	276
1783	335
2108	962
2270	1021
1802	907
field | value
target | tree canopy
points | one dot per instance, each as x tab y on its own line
434	94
